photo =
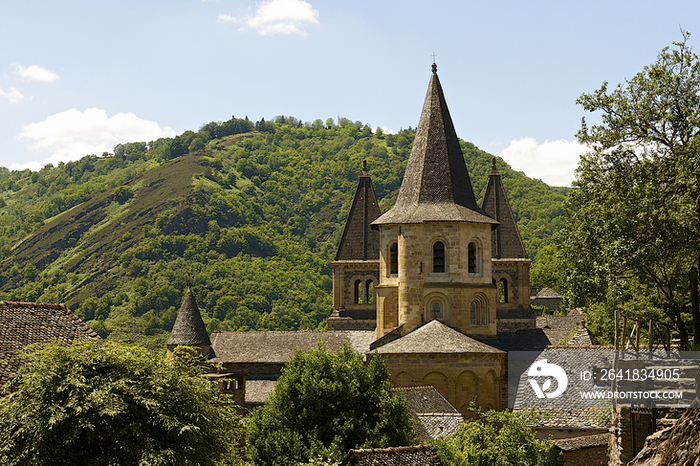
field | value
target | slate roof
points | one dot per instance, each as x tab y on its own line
22	324
436	185
438	338
505	240
583	337
434	415
420	455
359	241
529	340
585	441
278	347
189	328
548	293
569	410
569	322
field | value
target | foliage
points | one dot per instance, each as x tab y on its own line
324	404
104	403
632	212
497	438
251	220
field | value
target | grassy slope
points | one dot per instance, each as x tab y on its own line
123	266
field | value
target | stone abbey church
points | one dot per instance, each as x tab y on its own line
438	286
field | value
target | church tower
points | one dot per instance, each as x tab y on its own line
189	328
356	264
509	261
435	243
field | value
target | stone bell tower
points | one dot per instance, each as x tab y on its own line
435	243
510	265
356	263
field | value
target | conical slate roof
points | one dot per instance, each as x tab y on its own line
359	241
506	242
436	185
189	327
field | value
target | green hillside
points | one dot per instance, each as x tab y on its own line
249	214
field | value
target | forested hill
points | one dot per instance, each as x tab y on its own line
249	214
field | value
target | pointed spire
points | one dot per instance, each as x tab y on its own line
506	242
359	241
436	184
189	329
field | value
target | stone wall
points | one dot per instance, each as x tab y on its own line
587	456
458	377
416	287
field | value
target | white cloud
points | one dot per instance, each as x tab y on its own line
13	95
224	18
553	162
282	17
35	73
72	134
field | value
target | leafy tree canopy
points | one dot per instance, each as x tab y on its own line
632	213
249	213
324	404
105	404
497	438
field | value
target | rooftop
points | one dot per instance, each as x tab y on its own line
278	347
436	337
436	185
23	324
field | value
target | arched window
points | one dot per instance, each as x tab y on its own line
472	258
503	291
479	312
437	310
394	258
359	292
369	295
438	257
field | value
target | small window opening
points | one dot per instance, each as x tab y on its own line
394	258
437	311
360	296
503	291
472	258
369	292
438	257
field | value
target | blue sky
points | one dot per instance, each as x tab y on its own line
78	77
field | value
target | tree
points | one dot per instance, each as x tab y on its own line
324	404
103	403
631	213
497	438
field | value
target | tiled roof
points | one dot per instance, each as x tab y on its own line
359	241
569	410
278	347
436	337
583	337
420	455
569	322
529	340
189	328
22	324
548	293
435	416
585	441
258	390
505	240
426	400
436	185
